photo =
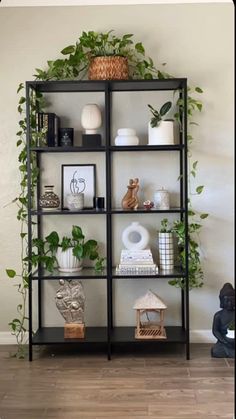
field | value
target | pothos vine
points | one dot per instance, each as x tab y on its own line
74	65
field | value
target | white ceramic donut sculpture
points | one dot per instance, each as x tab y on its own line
141	231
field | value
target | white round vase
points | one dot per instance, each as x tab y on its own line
161	135
135	237
67	261
91	118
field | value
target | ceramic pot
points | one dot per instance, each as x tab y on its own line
91	118
67	261
75	201
161	135
49	200
166	251
126	136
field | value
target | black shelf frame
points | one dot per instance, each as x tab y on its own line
109	335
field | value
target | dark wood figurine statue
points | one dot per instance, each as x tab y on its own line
225	346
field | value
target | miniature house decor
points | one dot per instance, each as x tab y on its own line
70	299
91	120
148	305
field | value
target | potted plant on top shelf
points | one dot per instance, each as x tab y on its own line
66	254
160	130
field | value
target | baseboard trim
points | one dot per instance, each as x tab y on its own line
196	336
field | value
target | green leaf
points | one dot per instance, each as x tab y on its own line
77	233
53	239
68	50
165	108
195	164
22	100
199	189
139	48
11	273
20	87
198	89
202	216
78	251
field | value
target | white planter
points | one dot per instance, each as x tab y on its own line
230	334
166	251
161	135
91	118
67	261
75	201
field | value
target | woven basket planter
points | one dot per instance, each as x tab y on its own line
108	68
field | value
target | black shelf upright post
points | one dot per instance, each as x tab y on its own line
182	174
29	192
186	244
108	216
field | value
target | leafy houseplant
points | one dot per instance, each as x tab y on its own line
49	250
158	115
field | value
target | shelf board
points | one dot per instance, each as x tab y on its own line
71	149
176	273
146	147
86	273
175	334
65	86
68	212
145	211
55	335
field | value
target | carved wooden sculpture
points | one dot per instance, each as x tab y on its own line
130	200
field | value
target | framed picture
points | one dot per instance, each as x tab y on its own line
77	178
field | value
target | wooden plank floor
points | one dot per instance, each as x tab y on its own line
62	385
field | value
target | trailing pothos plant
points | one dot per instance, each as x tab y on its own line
73	64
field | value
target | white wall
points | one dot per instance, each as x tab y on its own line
195	41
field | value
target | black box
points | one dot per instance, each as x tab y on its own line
91	140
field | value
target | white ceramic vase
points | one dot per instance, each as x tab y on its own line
161	135
91	118
67	261
135	237
75	201
126	136
166	251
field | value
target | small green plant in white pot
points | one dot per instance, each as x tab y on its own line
160	130
231	330
66	254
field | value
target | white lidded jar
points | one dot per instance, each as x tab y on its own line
126	136
162	199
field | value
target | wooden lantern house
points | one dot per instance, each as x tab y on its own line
148	305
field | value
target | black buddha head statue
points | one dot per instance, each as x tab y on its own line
227	297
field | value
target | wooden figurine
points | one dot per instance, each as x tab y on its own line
148	305
130	200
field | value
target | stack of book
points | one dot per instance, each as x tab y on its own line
50	122
136	262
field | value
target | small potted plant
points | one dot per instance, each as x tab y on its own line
68	253
231	330
166	246
160	130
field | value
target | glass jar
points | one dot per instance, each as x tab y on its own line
49	200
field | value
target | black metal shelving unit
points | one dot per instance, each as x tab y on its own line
109	335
